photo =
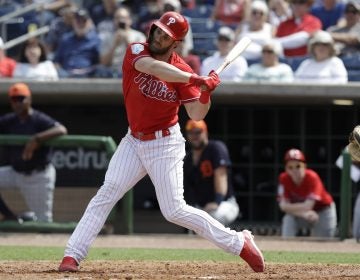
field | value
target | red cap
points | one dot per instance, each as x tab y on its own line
191	124
294	154
19	89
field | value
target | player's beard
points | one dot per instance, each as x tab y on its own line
157	51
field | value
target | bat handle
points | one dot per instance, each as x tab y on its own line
221	68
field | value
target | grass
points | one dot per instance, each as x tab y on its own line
25	253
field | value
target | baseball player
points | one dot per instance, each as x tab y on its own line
156	82
304	199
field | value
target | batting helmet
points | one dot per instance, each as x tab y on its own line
173	24
294	154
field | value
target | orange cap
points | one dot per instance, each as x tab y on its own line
19	89
191	124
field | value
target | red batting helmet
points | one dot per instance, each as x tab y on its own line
294	154
173	24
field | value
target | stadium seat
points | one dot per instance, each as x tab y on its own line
351	62
201	11
354	75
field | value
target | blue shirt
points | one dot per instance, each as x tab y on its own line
199	179
76	52
37	122
328	17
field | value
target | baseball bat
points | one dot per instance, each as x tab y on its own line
234	53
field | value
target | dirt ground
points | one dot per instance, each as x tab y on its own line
169	270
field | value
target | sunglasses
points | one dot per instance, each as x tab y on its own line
268	51
293	166
255	12
19	99
351	11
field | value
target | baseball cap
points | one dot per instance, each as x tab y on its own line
82	13
226	33
294	154
19	89
259	5
354	3
191	124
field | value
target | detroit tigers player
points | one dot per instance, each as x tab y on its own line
156	82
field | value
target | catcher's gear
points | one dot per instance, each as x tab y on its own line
354	144
173	24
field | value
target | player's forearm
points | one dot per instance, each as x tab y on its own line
294	208
51	133
162	70
197	111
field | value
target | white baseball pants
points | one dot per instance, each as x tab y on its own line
162	160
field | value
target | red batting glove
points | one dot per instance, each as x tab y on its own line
209	82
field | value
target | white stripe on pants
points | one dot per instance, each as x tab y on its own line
162	160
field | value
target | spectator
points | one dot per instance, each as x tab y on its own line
78	53
294	33
225	41
33	63
58	27
192	60
30	169
257	29
102	13
114	44
270	69
106	25
304	199
323	66
330	12
231	12
7	64
207	175
347	38
279	12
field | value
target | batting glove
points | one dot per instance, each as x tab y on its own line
209	82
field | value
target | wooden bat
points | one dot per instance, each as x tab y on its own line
234	53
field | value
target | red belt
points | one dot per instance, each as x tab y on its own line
151	136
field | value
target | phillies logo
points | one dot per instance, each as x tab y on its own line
171	21
153	88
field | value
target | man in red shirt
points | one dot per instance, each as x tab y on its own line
294	33
304	199
156	81
7	64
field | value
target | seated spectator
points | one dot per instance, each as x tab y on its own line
294	33
270	69
231	12
7	64
257	29
279	12
225	42
330	12
323	66
58	27
114	44
347	38
304	200
106	24
207	175
102	13
29	169
192	60
33	63
78	52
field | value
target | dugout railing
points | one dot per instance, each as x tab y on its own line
121	217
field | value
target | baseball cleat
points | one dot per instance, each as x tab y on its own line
68	264
251	253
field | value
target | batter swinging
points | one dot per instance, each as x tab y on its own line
156	82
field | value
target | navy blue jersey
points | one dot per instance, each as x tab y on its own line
37	122
199	179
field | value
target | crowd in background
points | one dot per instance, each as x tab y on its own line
301	40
